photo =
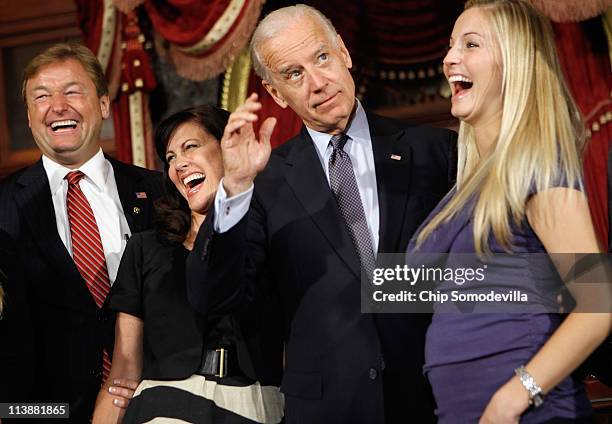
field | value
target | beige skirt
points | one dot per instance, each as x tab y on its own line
200	400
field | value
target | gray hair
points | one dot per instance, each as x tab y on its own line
275	22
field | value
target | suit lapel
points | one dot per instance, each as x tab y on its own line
393	162
307	180
135	201
36	207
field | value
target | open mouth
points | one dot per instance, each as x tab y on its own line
459	84
193	181
65	125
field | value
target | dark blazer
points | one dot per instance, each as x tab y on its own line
293	258
61	331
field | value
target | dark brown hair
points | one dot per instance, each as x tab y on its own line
173	213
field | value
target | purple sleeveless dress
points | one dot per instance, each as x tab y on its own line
469	356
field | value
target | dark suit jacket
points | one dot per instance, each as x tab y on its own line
292	257
59	331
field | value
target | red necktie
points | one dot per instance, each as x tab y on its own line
87	250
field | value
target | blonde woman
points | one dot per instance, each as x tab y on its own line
519	190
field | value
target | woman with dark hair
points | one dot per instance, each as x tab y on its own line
191	368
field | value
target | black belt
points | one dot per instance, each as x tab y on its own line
215	362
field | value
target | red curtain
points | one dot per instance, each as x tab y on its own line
583	52
288	124
201	38
391	31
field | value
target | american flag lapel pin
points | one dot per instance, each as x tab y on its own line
396	157
141	195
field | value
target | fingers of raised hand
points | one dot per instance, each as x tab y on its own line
243	115
237	121
251	104
265	131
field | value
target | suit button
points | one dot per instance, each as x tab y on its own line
373	374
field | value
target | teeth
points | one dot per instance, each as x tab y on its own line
56	124
459	78
192	177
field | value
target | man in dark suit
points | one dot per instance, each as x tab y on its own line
68	330
289	242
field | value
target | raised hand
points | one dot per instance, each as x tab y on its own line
244	156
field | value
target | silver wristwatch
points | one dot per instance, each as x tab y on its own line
536	397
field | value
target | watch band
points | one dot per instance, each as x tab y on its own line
536	396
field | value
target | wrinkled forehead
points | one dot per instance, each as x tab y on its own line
294	42
63	71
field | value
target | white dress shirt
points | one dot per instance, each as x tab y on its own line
100	189
358	147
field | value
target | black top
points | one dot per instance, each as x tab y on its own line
293	252
150	285
60	331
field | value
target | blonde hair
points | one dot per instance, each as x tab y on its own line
541	136
278	20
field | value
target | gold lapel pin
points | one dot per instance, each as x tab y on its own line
136	209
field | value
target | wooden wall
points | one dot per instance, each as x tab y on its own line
27	27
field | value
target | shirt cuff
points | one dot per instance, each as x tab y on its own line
229	211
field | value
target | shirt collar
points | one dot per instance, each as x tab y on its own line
95	169
357	130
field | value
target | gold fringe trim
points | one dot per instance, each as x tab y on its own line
236	82
599	116
107	38
137	130
604	119
207	67
126	6
607	23
409	73
571	10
